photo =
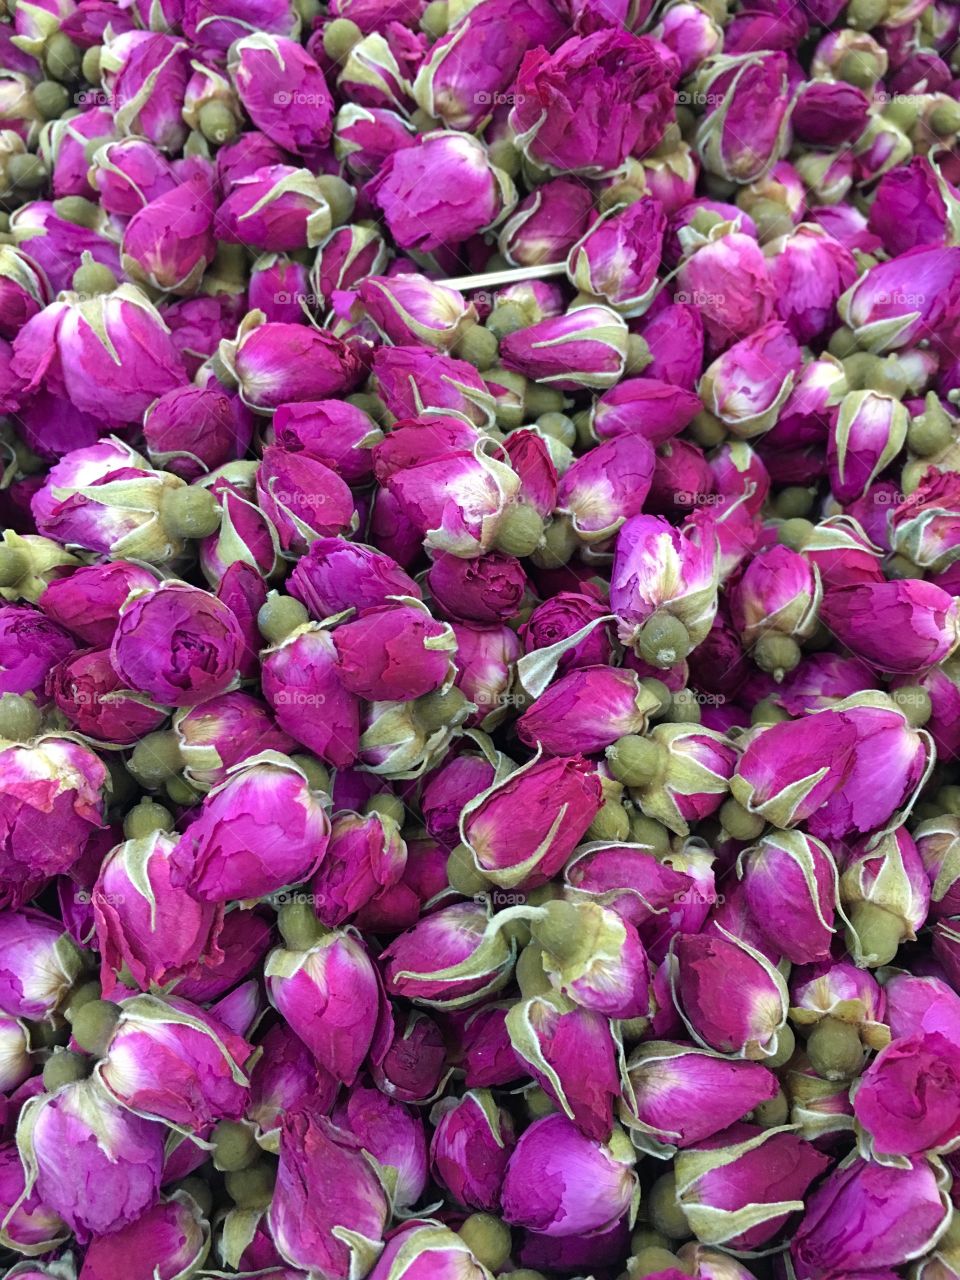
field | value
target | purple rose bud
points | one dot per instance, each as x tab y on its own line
193	430
606	486
645	407
844	554
336	575
411	308
867	1216
868	434
471	1144
791	888
747	386
914	206
584	348
809	270
925	525
917	1006
277	363
23	291
146	925
129	174
173	1236
393	1134
730	997
886	894
285	1074
830	113
198	325
96	1164
618	257
547	223
92	697
365	856
562	617
898	302
303	498
408	1058
329	1208
592	102
413	381
363	137
938	843
899	626
177	644
169	1060
173	260
334	432
283	91
587	710
441	191
728	280
741	137
146	76
275	208
329	995
32	644
278	287
561	1183
681	1094
483	1049
40	964
487	590
394	652
425	1248
739	1187
450	959
300	676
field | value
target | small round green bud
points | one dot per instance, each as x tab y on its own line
506	317
316	772
93	146
479	347
665	1210
520	531
505	156
786	1047
944	119
252	1188
843	341
199	1191
371	404
279	616
638	354
145	818
340	196
858	69
650	1260
26	172
440	709
20	718
647	1238
772	220
879	932
93	278
79	996
660	691
766	711
181	793
155	758
794	501
776	654
530	974
90	64
740	823
582	421
931	431
489	1239
864	15
75	209
234	1146
663	640
93	1025
61	57
217	122
339	37
51	99
619	193
540	399
538	1103
948	799
772	1113
795	533
559	543
635	761
914	701
190	512
707	429
899	567
834	1049
435	19
298	925
387	805
558	426
424	122
612	822
683	709
649	832
65	1067
462	873
558	930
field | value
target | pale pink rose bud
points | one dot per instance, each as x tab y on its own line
747	386
283	91
169	243
546	224
411	308
868	434
740	138
584	348
277	208
619	256
450	959
792	890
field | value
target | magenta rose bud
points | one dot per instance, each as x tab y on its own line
145	924
905	299
393	1133
897	626
222	732
914	206
276	208
95	1163
778	592
193	430
177	644
279	287
169	243
336	575
92	697
416	380
303	498
275	363
619	256
258	832
866	1216
563	617
746	386
925	525
731	998
302	684
487	590
411	308
587	710
868	434
169	1060
561	1183
728	280
334	432
524	828
394	652
592	102
283	91
424	1249
657	410
129	173
586	347
546	224
906	1101
329	1209
363	137
173	1237
146	73
29	1226
791	889
23	293
365	856
886	893
739	1187
285	1073
681	1094
39	965
408	1059
32	644
607	485
809	270
450	959
329	995
471	1144
594	957
746	132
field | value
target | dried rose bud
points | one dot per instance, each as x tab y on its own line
546	224
301	682
618	258
886	894
741	137
365	857
283	91
411	308
584	348
593	957
275	208
169	243
900	626
450	959
146	73
897	302
747	386
174	1231
471	1145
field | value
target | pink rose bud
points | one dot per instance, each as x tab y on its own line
925	525
739	475
146	73
746	132
222	732
154	930
329	995
258	832
169	243
809	270
329	1209
906	1101
275	208
275	363
471	1144
681	1094
789	770
524	828
52	799
118	338
483	1049
843	553
791	888
425	1248
40	963
917	1006
363	137
486	590
394	652
905	299
337	434
830	113
594	957
408	1059
644	407
393	1134
365	856
169	1060
886	895
607	486
691	777
674	336
376	73
728	280
336	575
739	1187
450	959
29	1226
303	498
731	998
279	287
778	592
938	843
177	644
193	430
447	789
411	308
584	348
866	1216
690	33
130	173
587	710
592	102
841	991
552	1038
562	617
115	1157
441	191
92	697
32	644
23	291
285	1074
546	224
561	1183
415	380
283	91
302	684
198	325
747	386
914	206
665	575
899	626
619	256
868	434
173	1236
